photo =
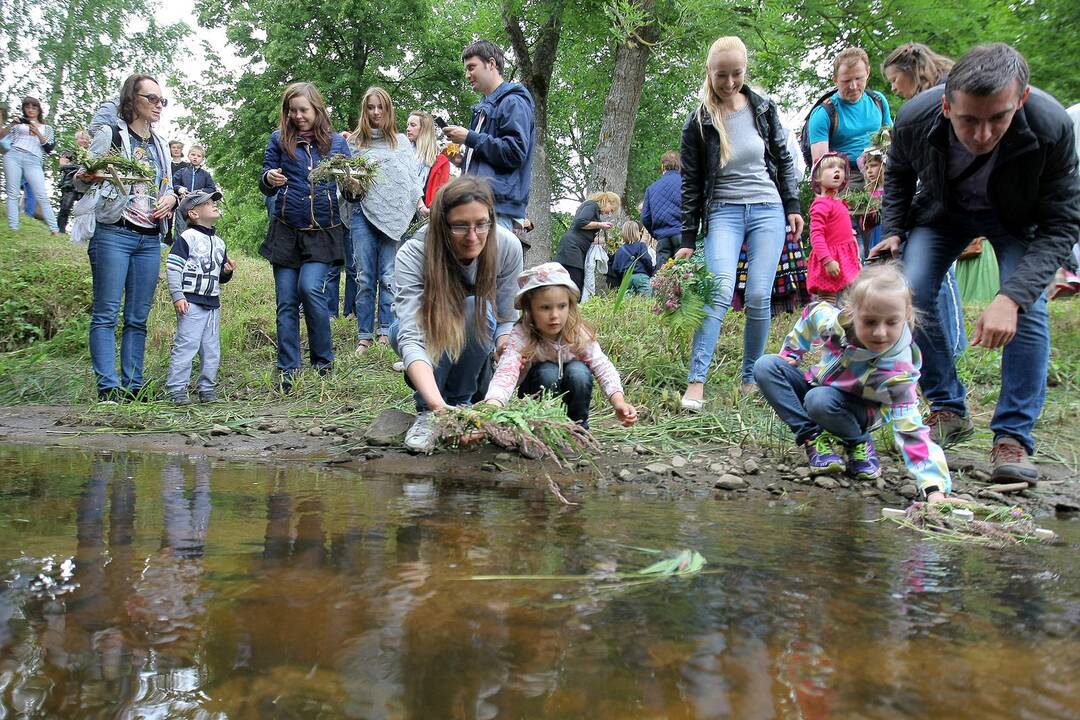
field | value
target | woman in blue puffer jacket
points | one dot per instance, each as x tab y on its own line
306	233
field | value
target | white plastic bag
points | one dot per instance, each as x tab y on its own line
595	263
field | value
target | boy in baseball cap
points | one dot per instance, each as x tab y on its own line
197	266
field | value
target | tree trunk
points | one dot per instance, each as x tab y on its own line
609	166
536	65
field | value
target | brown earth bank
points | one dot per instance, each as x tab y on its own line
724	472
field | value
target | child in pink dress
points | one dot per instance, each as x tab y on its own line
834	252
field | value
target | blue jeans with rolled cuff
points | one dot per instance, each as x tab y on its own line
373	260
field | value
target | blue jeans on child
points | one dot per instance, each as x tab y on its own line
458	380
333	281
293	286
808	409
373	252
123	264
575	386
198	331
20	165
762	225
928	253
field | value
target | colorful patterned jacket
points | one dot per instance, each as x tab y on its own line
886	381
512	367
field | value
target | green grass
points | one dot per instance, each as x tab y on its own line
45	294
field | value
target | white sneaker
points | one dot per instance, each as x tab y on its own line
399	366
423	434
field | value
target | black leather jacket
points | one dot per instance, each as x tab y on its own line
1033	186
700	151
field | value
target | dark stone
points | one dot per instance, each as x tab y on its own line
389	428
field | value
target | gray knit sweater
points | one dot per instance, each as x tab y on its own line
391	202
409	289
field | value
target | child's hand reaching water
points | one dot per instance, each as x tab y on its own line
626	412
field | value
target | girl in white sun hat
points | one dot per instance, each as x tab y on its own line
554	349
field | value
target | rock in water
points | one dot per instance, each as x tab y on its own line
730	482
824	481
750	467
678	462
221	430
389	428
658	468
909	491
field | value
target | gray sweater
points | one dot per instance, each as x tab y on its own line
391	202
409	289
745	179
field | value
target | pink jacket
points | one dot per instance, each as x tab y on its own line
831	238
511	367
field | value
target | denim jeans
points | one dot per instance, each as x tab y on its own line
333	281
373	252
951	314
20	165
808	409
307	285
458	380
762	226
123	264
575	386
507	221
928	253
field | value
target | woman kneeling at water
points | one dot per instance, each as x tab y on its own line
454	300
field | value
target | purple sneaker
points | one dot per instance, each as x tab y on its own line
821	456
863	463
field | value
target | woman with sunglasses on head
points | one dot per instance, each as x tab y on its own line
125	249
31	141
454	288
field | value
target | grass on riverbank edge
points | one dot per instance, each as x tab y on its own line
45	289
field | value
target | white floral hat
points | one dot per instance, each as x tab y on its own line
544	275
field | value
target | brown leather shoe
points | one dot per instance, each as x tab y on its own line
1011	462
948	428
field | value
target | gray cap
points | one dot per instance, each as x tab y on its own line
193	199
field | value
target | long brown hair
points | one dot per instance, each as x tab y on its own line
361	136
926	67
30	100
129	95
321	126
442	306
576	332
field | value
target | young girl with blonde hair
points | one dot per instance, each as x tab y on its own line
868	374
555	349
434	167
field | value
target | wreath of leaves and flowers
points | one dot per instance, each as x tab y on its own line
356	174
682	289
112	167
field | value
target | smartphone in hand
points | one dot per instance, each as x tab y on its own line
440	122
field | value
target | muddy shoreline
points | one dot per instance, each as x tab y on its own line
722	472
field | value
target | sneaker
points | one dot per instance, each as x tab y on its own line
863	463
208	396
821	456
1011	463
423	434
110	396
949	428
180	399
399	366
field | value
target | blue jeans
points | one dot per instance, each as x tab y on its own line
457	380
333	281
575	386
808	409
373	252
20	165
762	225
507	221
928	253
307	285
123	264
951	315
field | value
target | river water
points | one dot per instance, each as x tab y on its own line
150	586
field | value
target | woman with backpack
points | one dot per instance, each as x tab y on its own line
125	249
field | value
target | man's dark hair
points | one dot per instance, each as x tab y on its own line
987	69
671	161
485	50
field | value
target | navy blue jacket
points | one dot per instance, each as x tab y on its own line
626	255
661	213
193	178
297	203
502	148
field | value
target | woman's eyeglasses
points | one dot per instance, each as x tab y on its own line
154	99
460	231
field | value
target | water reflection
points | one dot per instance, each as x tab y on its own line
325	594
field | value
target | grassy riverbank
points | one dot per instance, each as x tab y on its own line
45	293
